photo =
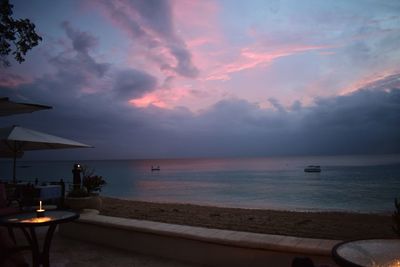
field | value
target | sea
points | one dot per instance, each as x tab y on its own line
356	183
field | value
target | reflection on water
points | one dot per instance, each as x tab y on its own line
158	185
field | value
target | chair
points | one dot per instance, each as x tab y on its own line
28	196
5	209
8	250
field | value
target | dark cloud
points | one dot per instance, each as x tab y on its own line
184	66
78	74
296	106
157	14
150	23
366	121
119	14
81	41
275	103
81	63
77	114
133	83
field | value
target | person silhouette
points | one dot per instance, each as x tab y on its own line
302	262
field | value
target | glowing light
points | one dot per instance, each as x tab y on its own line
40	211
37	220
395	263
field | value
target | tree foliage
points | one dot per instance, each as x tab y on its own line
17	36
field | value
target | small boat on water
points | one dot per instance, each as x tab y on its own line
312	168
155	168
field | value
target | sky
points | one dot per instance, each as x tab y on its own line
230	78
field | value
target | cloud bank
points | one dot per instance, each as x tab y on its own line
365	121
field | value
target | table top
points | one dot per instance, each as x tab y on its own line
31	219
370	252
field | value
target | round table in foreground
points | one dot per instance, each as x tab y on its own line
27	222
368	253
30	218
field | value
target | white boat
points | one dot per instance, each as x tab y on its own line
312	168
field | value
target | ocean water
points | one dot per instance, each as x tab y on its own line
346	183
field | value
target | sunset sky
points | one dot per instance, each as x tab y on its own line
156	79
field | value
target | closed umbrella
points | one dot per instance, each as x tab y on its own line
8	107
15	140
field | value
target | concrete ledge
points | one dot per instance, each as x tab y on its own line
213	247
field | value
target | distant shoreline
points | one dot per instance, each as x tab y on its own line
34	158
325	225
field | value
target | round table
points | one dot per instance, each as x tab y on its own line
27	222
368	253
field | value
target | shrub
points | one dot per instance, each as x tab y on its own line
93	183
78	192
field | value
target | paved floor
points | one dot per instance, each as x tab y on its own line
68	252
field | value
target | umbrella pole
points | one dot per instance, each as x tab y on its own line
14	168
15	163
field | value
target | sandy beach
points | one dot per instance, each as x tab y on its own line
328	225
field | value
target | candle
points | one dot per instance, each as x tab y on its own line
40	211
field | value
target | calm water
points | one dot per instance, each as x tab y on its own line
349	183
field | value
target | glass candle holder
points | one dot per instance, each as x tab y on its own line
40	211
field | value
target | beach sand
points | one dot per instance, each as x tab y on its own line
325	225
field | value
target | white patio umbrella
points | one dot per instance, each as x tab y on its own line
15	140
8	107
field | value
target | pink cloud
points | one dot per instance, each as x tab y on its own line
147	100
203	37
12	80
190	20
250	58
162	98
199	41
384	79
